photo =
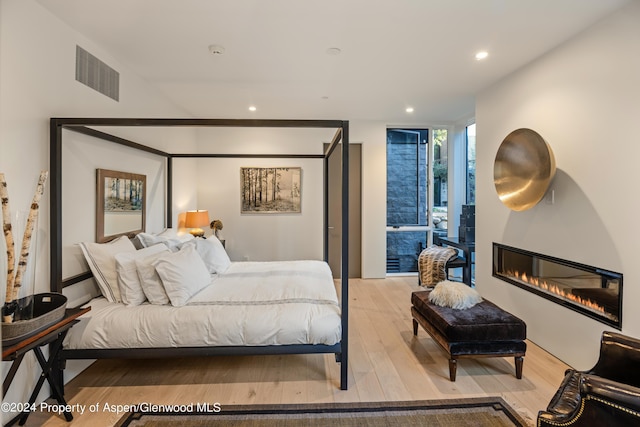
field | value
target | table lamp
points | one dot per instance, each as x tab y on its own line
195	220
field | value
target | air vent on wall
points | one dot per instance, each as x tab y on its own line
96	74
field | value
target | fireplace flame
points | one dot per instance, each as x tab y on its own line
556	290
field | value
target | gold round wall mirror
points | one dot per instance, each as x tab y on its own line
523	169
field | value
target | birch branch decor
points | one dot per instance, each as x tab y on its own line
14	281
8	237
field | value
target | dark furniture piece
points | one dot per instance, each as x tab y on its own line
60	128
484	330
53	335
457	262
467	248
467	227
606	395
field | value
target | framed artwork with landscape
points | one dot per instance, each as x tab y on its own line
271	190
120	204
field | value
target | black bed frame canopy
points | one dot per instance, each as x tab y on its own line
86	126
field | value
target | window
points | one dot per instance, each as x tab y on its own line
406	177
407	197
471	181
471	164
440	178
411	203
413	155
440	168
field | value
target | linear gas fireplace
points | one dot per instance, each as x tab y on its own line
592	291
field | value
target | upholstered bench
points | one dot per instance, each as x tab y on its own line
484	330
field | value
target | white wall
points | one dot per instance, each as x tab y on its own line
263	237
373	136
293	236
37	81
583	99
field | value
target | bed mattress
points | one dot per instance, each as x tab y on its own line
251	304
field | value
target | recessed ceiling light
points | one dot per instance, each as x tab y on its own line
252	108
409	110
334	51
216	49
482	55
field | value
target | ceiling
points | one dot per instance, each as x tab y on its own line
394	53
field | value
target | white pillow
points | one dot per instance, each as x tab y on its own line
169	233
168	237
183	274
454	294
129	284
150	281
213	254
102	262
149	239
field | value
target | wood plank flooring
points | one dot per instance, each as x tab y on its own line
386	363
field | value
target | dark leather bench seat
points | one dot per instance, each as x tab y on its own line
484	330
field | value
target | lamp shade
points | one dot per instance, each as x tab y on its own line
196	219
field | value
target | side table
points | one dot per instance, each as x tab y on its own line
53	335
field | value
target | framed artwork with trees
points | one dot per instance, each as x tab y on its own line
120	204
271	190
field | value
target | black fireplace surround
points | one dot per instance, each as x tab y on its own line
589	290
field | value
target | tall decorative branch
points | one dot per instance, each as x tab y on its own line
8	236
26	240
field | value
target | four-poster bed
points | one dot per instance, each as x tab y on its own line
339	146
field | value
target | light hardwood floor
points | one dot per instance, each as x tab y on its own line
386	363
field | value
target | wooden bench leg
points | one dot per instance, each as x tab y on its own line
415	327
519	362
453	367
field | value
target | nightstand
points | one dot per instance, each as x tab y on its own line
53	335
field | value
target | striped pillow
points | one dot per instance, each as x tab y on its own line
101	258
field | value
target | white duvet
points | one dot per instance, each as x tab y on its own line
251	304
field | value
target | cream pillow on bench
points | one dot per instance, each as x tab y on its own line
454	295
